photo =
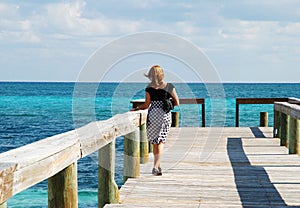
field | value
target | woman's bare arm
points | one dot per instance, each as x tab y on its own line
145	105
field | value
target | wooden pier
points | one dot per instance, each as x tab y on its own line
202	166
218	167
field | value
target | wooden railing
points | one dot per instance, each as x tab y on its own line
175	115
287	124
55	158
240	101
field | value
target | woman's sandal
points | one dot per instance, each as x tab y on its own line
160	170
156	172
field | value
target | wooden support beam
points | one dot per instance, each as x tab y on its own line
237	115
132	155
263	122
108	192
284	133
63	188
293	136
144	146
260	100
175	119
203	115
276	123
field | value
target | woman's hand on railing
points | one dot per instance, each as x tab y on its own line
134	109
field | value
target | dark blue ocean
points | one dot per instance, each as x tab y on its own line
33	111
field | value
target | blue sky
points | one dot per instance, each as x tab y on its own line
246	40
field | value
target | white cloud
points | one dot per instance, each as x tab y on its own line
15	28
70	18
186	28
268	10
143	4
19	37
8	9
259	29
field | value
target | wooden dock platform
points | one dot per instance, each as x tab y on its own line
218	167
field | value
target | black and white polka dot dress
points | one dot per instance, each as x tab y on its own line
158	121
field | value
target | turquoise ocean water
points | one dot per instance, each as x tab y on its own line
33	111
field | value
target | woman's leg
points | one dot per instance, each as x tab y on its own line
157	151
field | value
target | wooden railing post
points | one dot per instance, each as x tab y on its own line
150	146
280	126
175	119
284	129
108	192
237	114
144	145
297	136
3	205
276	123
263	119
203	113
293	135
132	155
63	188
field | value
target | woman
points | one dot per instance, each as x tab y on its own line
158	121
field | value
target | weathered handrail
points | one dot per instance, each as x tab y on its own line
55	158
293	100
198	101
287	124
240	101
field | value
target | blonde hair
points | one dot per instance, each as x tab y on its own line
155	75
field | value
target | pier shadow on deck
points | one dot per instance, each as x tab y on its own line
252	182
257	132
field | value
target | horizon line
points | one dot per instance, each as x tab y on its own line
191	82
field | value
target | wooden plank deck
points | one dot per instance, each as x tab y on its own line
218	167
